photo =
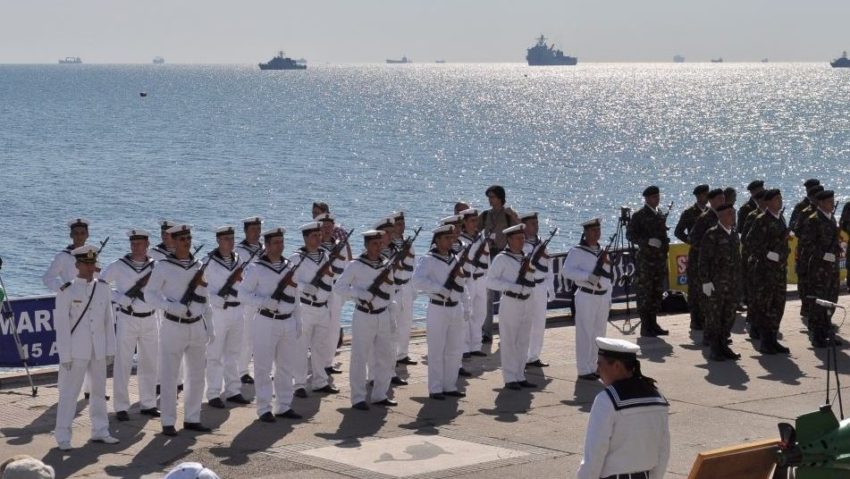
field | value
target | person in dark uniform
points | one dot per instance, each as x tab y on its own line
648	230
746	268
682	231
820	253
751	204
702	224
798	227
719	259
627	434
807	200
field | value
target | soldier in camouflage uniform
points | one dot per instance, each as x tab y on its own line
768	264
798	227
753	188
648	230
683	229
820	254
747	272
719	262
844	225
703	223
806	201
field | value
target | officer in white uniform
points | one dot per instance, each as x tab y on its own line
185	331
137	327
627	433
223	276
406	293
478	261
507	276
327	220
85	339
252	227
63	267
315	281
544	287
368	281
439	275
587	265
270	290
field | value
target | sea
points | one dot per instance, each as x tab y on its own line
210	144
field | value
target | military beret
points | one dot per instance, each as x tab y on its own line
811	182
771	194
755	185
85	254
715	193
825	195
701	189
724	206
759	195
651	190
814	190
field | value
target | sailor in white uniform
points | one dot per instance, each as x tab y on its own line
185	331
406	292
137	327
252	227
514	278
315	281
368	281
627	433
403	270
166	245
223	276
329	242
544	288
441	276
478	261
270	290
587	265
63	267
85	339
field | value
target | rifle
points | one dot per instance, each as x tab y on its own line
189	295
533	257
392	265
278	293
334	253
103	245
398	258
597	269
136	291
667	214
236	275
458	267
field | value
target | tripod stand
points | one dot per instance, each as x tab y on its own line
623	247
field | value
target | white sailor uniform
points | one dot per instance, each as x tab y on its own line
335	302
405	295
276	329
159	252
372	327
315	318
85	338
184	335
544	287
592	303
137	330
62	269
444	318
245	250
475	289
227	317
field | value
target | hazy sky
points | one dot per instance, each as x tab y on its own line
248	31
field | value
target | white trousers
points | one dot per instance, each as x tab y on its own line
275	346
335	311
314	325
223	353
537	305
247	343
160	317
591	323
180	342
514	331
445	336
404	320
70	384
371	337
142	335
477	290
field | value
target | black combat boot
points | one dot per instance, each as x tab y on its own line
716	350
658	329
696	321
727	351
753	330
780	349
768	343
646	329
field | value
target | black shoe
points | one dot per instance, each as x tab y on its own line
464	373
196	426
370	383
179	388
657	328
328	389
398	381
696	325
589	377
513	386
289	414
247	379
467	355
647	332
122	416
406	360
361	406
716	352
780	349
300	393
386	402
437	396
238	399
766	346
332	370
454	394
480	354
267	417
537	364
152	412
486	339
727	351
754	332
169	431
157	389
86	396
527	384
217	403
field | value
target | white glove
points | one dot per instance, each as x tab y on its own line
593	279
829	257
66	365
654	242
708	288
270	304
773	256
310	289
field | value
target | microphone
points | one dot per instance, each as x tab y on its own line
824	303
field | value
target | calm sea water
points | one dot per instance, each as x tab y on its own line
212	144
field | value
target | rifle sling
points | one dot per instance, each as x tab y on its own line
84	309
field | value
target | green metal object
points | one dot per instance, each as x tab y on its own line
818	447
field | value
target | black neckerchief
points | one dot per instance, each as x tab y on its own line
177	262
216	255
127	260
265	261
448	259
634	392
374	264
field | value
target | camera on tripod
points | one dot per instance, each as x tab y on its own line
625	215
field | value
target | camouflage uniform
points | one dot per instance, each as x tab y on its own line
798	226
746	269
769	234
844	225
646	224
719	263
695	296
819	243
741	223
682	231
744	211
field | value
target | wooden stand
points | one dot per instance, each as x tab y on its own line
756	460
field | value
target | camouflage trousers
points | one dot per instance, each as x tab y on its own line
649	287
824	282
719	309
802	284
694	288
767	297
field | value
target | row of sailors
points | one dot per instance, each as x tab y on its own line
282	308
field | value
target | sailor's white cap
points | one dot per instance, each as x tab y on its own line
468	212
225	230
180	230
444	229
138	233
274	232
86	253
595	222
252	220
310	227
325	217
165	224
384	223
528	216
78	222
450	220
370	234
191	470
619	348
514	229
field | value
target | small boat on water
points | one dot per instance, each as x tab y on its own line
764	60
717	60
842	62
158	60
282	62
71	61
404	59
439	61
678	59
